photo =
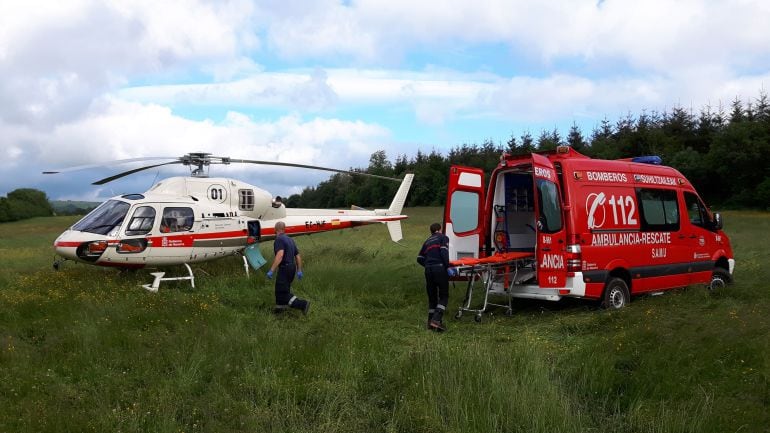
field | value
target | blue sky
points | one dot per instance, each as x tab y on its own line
329	82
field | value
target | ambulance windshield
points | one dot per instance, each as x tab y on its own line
550	208
104	218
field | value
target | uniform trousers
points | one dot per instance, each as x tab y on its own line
437	285
283	295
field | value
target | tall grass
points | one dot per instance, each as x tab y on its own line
86	349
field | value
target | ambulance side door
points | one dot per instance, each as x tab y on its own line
702	243
463	212
551	235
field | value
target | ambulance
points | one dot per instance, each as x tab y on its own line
587	228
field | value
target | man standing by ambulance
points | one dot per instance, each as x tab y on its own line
434	256
288	263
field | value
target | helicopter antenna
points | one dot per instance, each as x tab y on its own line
157	173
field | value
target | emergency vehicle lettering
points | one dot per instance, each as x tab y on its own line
543	172
659	253
655	180
603	176
616	239
623	210
552	261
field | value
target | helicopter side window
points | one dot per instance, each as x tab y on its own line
246	199
177	219
141	222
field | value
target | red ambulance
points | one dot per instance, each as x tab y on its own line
595	229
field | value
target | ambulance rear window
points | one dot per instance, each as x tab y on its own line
550	206
659	210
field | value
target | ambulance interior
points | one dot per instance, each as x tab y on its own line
514	223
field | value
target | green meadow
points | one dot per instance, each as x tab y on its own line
87	349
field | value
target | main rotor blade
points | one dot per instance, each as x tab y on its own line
126	173
108	163
314	167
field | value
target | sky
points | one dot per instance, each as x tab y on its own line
329	82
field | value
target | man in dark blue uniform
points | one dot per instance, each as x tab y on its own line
288	263
434	256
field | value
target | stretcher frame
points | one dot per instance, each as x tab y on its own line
496	275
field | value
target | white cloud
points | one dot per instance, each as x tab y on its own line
657	35
56	59
128	130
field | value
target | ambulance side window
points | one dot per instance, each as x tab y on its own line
659	210
696	211
550	206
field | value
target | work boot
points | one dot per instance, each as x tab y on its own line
306	309
279	309
436	322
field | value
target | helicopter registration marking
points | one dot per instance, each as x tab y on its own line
315	224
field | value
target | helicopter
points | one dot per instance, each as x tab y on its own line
192	219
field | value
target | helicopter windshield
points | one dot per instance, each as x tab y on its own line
104	218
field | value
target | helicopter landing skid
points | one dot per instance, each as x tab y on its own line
159	277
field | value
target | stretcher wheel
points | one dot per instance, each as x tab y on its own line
459	315
477	318
509	312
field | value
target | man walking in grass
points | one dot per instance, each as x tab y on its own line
434	256
288	263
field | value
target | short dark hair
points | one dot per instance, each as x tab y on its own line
435	227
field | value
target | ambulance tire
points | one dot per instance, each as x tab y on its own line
719	279
616	294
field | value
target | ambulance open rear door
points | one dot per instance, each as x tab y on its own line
463	212
551	235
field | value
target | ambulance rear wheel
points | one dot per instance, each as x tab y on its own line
616	294
719	279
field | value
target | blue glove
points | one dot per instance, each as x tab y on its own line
270	274
451	272
299	275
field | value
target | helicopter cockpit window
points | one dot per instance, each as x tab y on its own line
177	219
141	222
104	218
246	199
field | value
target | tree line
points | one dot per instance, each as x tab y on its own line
724	153
24	203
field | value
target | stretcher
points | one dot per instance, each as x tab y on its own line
495	275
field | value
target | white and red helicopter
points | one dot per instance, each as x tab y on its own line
184	220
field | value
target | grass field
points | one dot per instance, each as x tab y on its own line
86	349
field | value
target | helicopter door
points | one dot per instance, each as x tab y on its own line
463	211
174	243
551	236
135	244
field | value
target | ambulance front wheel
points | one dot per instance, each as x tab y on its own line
616	294
719	279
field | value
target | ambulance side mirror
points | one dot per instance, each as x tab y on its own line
717	223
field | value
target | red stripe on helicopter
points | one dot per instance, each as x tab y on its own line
325	226
187	240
